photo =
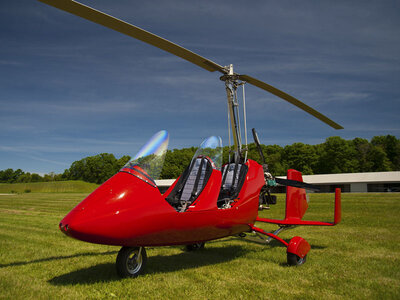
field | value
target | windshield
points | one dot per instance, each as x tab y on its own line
148	162
211	147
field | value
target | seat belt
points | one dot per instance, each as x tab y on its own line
224	178
234	177
196	183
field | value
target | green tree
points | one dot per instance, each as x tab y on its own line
378	159
274	157
76	171
363	148
301	157
26	177
36	178
391	146
6	175
66	175
337	155
49	177
17	173
176	161
96	169
10	176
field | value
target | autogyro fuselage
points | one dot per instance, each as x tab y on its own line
129	210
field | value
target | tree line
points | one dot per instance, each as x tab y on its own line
19	176
335	155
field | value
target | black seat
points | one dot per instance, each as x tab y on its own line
233	176
190	184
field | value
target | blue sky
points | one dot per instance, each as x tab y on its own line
70	88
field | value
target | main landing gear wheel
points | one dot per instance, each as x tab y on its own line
195	247
131	261
294	260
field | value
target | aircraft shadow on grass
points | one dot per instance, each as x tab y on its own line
105	272
156	264
54	258
272	244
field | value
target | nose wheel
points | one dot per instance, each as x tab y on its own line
131	261
195	247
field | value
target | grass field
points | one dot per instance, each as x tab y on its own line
358	259
72	186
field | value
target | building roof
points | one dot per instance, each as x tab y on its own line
369	177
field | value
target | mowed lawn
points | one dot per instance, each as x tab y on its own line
358	259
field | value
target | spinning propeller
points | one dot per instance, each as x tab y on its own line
101	18
271	181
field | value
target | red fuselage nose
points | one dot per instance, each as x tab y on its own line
116	212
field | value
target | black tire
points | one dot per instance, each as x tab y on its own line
294	260
195	247
131	261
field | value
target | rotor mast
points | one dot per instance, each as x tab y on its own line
232	82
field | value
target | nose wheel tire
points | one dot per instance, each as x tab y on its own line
294	260
195	247
131	261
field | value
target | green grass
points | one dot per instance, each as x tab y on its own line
358	259
48	187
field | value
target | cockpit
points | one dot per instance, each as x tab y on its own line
191	183
184	193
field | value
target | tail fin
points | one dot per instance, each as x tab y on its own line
296	198
296	205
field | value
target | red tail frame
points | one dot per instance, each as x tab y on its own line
296	206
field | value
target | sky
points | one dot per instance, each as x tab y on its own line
70	88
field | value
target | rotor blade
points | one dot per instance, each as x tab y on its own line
290	99
101	18
298	184
108	21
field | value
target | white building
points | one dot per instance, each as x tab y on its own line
348	182
357	182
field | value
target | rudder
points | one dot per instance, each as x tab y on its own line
296	198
